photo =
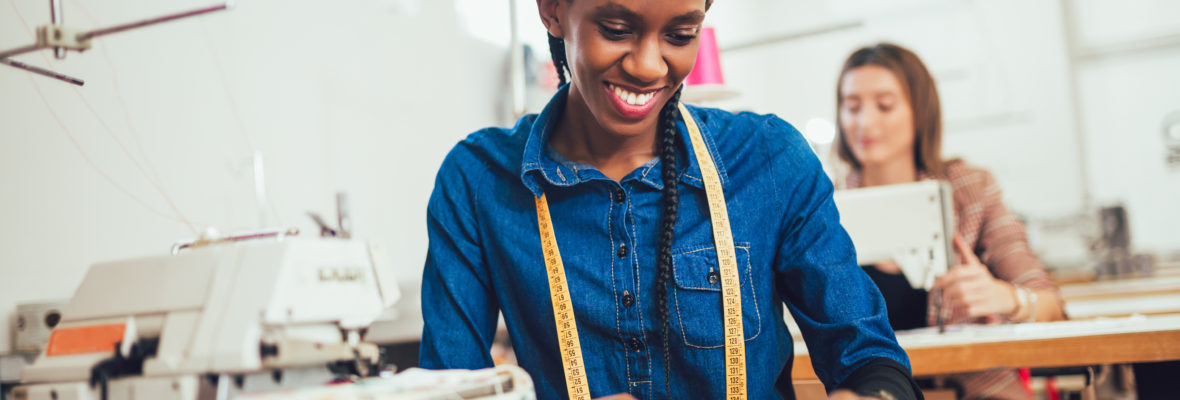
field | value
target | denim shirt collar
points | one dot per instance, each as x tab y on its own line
540	163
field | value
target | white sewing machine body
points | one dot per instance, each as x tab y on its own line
233	308
911	224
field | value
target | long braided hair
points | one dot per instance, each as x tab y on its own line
667	138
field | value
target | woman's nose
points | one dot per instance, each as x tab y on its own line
646	62
867	117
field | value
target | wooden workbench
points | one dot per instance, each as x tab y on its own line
1034	345
1122	297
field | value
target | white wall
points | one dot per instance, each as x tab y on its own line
1126	95
1004	73
1000	66
366	96
363	96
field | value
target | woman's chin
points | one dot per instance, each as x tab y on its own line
873	158
630	128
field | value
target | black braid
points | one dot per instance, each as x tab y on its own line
667	137
560	63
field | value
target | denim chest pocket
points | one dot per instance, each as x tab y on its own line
697	297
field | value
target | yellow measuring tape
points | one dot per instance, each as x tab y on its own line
563	309
567	329
735	345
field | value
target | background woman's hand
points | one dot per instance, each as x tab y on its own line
969	287
620	396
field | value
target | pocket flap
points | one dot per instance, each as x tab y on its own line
695	267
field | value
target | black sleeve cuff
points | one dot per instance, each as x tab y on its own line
883	375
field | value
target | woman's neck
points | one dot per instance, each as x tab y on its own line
578	137
888	173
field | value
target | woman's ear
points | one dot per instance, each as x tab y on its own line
549	16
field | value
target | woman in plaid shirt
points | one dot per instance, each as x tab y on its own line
890	132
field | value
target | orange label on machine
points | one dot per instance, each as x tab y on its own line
85	339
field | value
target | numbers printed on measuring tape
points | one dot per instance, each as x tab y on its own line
567	329
563	312
735	348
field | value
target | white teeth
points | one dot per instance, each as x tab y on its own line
632	98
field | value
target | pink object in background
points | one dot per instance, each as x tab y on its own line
705	83
708	67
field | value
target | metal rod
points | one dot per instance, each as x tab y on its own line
1126	48
279	233
42	71
119	28
56	15
516	67
260	189
152	21
344	215
21	50
1072	49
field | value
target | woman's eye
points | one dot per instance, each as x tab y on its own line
614	33
885	107
681	39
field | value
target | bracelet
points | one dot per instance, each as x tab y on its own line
1026	300
1032	306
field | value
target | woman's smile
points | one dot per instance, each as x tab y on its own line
631	102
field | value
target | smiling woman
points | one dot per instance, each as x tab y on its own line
615	279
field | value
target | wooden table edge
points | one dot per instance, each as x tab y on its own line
1116	348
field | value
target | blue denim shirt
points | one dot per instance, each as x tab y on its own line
485	258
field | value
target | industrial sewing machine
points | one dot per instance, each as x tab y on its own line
910	224
233	317
260	316
184	326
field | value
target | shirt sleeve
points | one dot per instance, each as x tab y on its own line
838	308
1004	241
885	379
459	307
1001	240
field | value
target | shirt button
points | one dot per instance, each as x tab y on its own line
620	195
628	299
635	344
622	250
713	277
